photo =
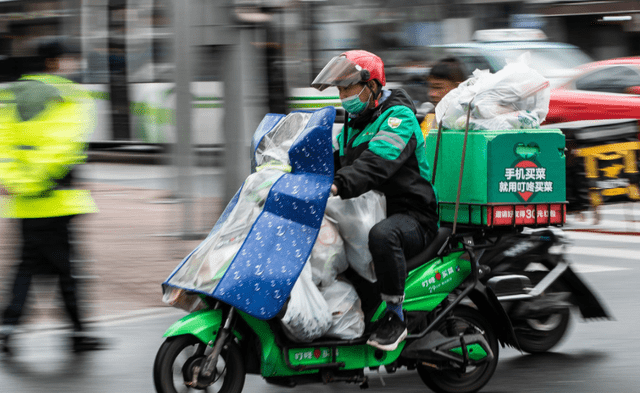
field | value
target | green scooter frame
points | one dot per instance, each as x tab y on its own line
429	289
453	345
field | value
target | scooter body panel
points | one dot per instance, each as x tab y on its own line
203	324
353	356
430	283
274	364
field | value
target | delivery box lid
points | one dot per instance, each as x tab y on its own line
501	166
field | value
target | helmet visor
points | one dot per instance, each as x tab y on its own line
339	71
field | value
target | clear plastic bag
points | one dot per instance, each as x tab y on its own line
328	257
516	97
346	310
355	217
275	145
208	263
205	267
307	316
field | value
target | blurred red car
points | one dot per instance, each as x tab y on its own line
608	89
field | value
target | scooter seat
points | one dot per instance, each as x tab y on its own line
431	251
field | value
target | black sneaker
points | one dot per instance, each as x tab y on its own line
87	343
390	333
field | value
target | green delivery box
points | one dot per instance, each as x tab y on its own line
510	177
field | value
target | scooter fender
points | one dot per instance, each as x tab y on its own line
583	297
203	324
488	304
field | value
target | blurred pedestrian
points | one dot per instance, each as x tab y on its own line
43	131
444	76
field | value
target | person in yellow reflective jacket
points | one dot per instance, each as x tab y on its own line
45	121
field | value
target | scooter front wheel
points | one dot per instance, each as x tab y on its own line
449	378
180	357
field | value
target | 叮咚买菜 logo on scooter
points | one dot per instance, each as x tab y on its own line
313	354
441	278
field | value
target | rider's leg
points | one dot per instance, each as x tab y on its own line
391	241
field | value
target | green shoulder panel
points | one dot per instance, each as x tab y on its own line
391	132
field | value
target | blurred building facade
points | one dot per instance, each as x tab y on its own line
125	46
402	30
306	30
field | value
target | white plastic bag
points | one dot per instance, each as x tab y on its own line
328	257
516	97
307	317
355	217
346	310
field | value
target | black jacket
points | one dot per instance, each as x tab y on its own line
386	152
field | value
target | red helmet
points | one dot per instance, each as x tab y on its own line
351	67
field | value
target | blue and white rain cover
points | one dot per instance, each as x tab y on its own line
257	248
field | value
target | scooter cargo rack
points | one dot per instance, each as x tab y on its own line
505	214
499	178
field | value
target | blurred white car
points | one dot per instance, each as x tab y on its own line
491	49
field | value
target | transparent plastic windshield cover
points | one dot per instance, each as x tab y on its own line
340	71
257	248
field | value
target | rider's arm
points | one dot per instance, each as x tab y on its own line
394	143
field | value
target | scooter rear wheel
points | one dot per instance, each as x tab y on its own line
449	380
541	334
177	356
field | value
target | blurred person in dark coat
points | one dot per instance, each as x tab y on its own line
43	132
444	76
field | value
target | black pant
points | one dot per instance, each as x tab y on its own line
46	249
392	241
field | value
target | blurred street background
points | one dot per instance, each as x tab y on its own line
180	87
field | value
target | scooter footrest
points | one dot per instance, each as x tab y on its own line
513	284
436	346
